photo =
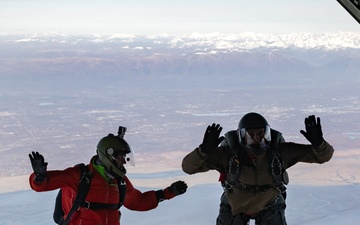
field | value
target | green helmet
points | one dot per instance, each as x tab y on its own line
108	148
252	121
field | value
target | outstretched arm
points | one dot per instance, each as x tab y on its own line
195	162
43	180
144	201
318	152
208	155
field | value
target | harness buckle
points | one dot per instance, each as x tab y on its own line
227	186
282	188
234	165
276	167
242	186
87	205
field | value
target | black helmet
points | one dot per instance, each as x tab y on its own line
251	121
109	147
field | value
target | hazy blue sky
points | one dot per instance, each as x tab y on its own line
174	17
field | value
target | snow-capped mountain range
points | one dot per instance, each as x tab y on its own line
215	53
212	41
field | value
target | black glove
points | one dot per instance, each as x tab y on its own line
39	166
178	187
211	138
313	131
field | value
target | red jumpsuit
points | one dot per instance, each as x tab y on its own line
101	191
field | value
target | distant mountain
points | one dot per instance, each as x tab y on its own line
187	55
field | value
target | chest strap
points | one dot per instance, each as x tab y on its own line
228	186
98	206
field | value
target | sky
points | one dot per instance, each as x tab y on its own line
173	17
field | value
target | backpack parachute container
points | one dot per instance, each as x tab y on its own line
83	189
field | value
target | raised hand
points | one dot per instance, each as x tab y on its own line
39	166
313	131
211	138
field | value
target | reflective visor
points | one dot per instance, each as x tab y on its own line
252	132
